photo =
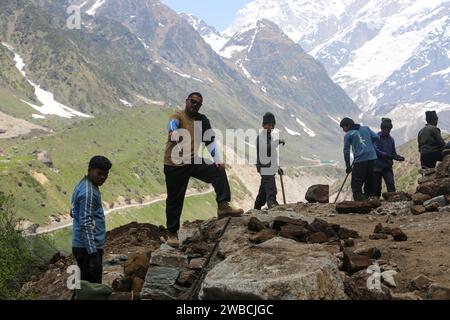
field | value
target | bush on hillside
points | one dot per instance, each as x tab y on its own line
15	257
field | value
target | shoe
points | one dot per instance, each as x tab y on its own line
172	240
225	211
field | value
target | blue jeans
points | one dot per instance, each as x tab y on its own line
388	175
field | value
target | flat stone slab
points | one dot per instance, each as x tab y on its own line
279	269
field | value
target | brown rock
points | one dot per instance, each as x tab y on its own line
380	229
371	253
396	196
137	285
197	263
122	284
362	207
330	229
318	237
375	203
399	235
418	210
282	221
262	236
432	207
443	168
137	265
427	172
318	193
378	236
354	262
437	292
349	243
420	198
187	278
345	233
255	225
435	188
421	283
294	232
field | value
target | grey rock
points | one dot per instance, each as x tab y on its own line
441	201
306	272
160	284
165	258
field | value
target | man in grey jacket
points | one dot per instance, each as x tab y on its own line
430	142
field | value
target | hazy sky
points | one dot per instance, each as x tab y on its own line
217	13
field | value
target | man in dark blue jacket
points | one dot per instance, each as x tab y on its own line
360	139
89	230
386	153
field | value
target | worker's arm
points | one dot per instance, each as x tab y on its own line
87	219
374	136
172	127
347	143
210	142
380	153
438	137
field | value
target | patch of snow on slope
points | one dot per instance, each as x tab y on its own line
94	8
126	103
292	132
49	105
307	130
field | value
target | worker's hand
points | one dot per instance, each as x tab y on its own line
399	158
174	136
348	170
220	166
280	172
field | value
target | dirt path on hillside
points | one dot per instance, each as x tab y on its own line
62	225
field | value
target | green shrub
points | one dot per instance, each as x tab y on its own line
15	257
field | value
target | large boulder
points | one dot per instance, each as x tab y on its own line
279	269
44	157
318	193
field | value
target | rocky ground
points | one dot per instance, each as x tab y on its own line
297	251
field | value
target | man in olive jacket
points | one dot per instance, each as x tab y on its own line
430	141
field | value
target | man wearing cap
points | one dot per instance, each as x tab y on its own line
430	142
360	139
386	153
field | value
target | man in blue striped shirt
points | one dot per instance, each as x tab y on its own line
89	230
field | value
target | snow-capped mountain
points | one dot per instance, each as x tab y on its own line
388	55
209	33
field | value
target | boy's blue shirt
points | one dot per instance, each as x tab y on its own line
360	139
89	230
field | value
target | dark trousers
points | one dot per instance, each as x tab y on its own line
362	176
388	175
82	257
429	160
177	179
267	192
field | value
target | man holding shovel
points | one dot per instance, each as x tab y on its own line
361	140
